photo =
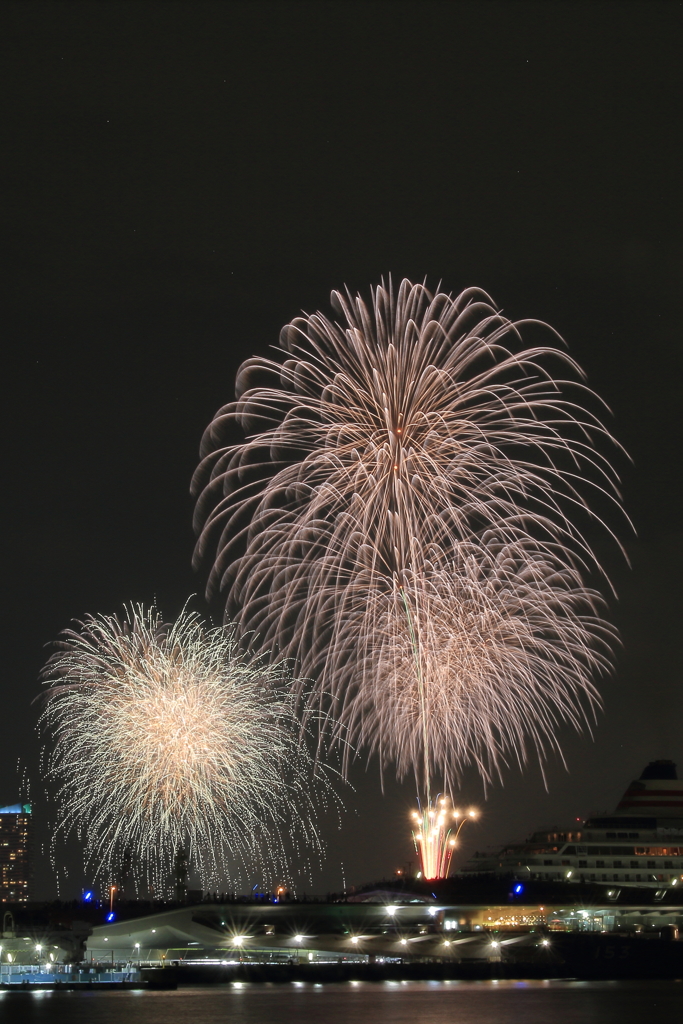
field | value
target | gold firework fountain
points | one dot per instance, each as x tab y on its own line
436	828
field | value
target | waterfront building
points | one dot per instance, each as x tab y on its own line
15	853
466	925
639	844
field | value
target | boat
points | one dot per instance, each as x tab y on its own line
639	844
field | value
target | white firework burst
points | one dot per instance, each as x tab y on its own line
164	738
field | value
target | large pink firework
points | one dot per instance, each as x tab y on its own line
404	515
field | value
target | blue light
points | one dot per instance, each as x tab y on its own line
111	916
88	896
518	888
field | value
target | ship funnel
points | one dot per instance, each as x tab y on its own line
658	793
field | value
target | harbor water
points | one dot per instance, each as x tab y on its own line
444	1002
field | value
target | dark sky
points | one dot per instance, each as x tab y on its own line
180	179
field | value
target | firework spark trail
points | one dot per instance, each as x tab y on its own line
166	738
404	519
436	828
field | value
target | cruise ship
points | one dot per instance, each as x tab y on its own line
640	843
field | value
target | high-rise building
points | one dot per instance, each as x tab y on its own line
15	853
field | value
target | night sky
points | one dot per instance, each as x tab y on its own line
180	179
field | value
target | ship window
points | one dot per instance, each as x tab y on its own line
622	835
658	851
634	863
546	862
668	864
618	864
583	863
651	864
599	863
611	835
633	835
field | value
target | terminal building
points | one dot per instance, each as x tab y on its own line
639	844
15	853
495	920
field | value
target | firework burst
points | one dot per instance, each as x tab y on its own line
436	828
164	738
404	519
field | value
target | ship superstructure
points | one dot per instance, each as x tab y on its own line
640	843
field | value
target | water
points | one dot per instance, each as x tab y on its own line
454	1002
